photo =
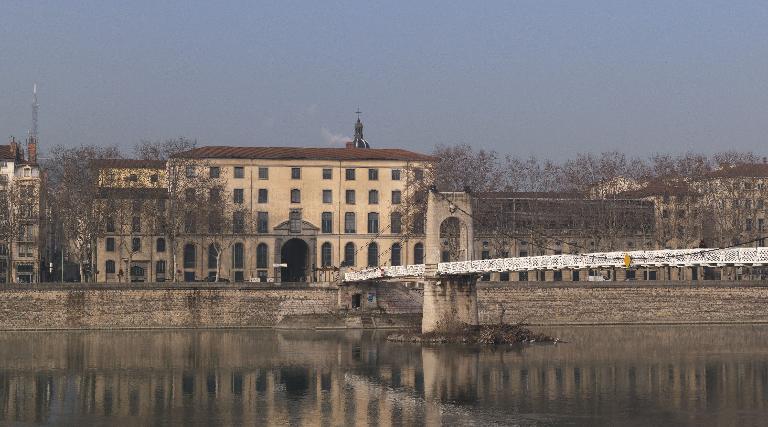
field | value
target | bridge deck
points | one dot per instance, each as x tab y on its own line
660	258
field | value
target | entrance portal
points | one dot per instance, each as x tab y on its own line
295	253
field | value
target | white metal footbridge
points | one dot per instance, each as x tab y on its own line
637	259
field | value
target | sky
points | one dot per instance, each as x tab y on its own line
543	78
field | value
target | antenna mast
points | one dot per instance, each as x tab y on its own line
35	106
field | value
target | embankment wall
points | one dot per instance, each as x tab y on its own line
94	307
621	303
226	306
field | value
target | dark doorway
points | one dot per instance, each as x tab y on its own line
356	301
294	253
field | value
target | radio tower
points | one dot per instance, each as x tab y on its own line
35	106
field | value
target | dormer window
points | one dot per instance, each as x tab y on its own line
27	172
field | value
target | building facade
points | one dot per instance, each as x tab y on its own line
22	238
262	213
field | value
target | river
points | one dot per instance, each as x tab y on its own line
603	375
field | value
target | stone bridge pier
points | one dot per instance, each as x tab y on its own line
448	300
450	235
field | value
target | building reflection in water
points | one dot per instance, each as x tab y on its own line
650	374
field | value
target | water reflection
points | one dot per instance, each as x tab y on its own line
605	375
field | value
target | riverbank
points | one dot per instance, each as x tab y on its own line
380	306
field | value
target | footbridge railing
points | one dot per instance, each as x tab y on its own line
659	258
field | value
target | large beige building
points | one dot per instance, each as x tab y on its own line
297	214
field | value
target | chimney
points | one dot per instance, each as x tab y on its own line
350	144
12	144
32	150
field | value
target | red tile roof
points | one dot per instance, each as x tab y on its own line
659	188
554	195
129	163
5	152
298	153
741	170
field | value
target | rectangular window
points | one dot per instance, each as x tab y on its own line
396	197
326	222
327	196
395	174
136	224
373	174
214	172
263	173
190	171
238	222
239	172
396	223
418	174
350	226
110	225
238	196
295	196
373	222
373	197
294	221
160	267
350	197
262	222
136	244
110	244
327	173
350	174
262	195
295	173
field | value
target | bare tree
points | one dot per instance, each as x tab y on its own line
73	192
163	150
459	167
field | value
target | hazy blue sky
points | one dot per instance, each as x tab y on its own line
537	77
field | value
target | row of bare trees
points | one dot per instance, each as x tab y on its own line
462	166
82	210
692	205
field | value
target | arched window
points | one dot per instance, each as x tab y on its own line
160	245
110	267
349	254
213	255
395	254
326	255
418	253
189	255
238	255
261	255
373	255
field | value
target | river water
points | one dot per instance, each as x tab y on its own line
622	375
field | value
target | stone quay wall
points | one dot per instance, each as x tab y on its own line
168	306
76	306
587	303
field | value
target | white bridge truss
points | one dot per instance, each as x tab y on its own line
660	258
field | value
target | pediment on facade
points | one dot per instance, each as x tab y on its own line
305	226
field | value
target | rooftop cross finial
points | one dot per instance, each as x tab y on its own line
359	141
